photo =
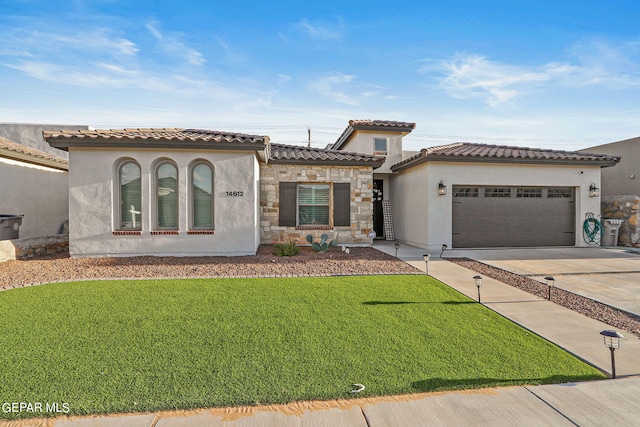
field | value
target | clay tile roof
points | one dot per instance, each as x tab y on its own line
380	125
305	155
17	151
141	137
469	152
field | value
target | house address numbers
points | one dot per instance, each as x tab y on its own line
235	193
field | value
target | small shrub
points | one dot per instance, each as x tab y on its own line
287	249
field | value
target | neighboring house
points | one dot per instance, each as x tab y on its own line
476	195
34	184
624	179
196	192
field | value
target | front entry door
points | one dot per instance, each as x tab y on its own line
378	216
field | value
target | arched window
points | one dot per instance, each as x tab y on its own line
167	196
202	196
130	196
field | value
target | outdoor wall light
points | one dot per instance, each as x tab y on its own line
442	189
426	258
551	282
594	191
612	342
478	280
397	245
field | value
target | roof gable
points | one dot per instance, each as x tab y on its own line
469	152
372	125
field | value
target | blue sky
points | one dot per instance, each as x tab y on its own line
553	74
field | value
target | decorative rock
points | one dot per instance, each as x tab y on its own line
626	208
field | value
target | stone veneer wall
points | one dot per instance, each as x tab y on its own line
361	180
33	246
626	208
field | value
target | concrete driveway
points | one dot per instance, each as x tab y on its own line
611	276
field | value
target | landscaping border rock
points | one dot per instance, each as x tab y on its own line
583	305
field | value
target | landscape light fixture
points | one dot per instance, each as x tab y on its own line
397	245
442	189
612	342
426	258
478	280
551	282
594	191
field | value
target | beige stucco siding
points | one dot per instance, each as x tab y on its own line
39	193
362	142
423	218
360	179
93	199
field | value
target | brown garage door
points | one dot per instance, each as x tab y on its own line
513	216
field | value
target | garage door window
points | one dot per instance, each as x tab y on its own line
497	192
529	192
560	193
465	192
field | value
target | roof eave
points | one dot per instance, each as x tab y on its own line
468	159
373	164
33	160
66	143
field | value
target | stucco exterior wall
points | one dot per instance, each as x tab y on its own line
361	185
362	142
623	178
92	194
39	193
424	218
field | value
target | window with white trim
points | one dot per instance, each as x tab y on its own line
313	204
202	196
167	196
130	196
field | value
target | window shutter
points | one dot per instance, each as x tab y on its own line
341	204
287	204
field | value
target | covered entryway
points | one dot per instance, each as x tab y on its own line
513	216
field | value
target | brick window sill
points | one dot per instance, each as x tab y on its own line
164	232
201	232
314	227
127	233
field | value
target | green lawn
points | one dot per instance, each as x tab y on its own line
119	346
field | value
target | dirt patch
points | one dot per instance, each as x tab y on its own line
60	267
583	305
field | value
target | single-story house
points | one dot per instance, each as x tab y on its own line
33	183
179	192
199	192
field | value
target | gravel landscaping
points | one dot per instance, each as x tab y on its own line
583	305
60	267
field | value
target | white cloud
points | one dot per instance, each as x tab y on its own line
470	76
171	43
327	86
319	31
283	79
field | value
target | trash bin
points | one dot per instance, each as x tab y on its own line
10	226
610	233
